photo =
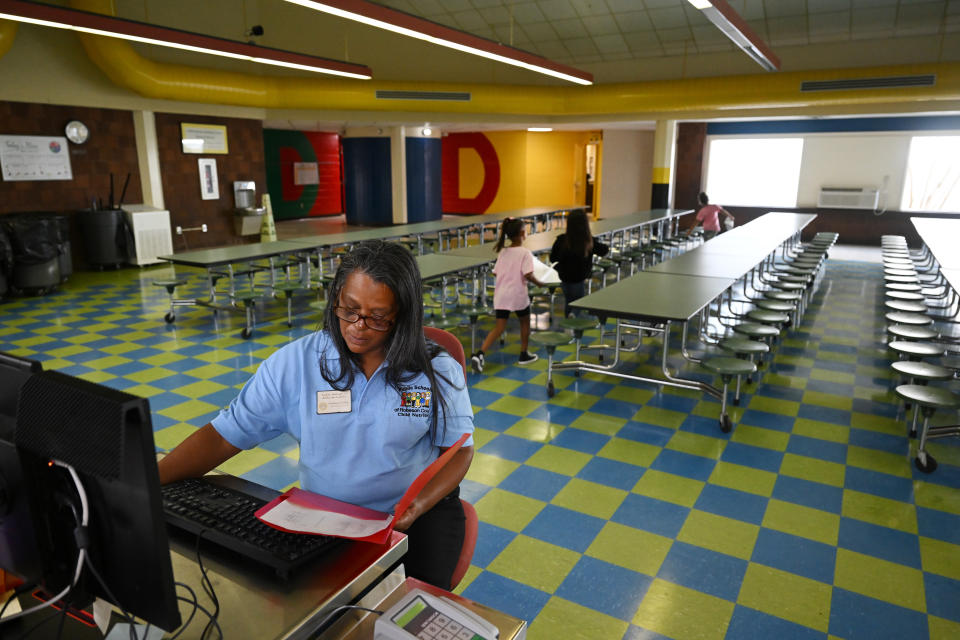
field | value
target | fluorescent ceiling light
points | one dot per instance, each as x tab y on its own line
734	27
539	128
376	15
102	25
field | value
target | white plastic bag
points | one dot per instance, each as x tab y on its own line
545	273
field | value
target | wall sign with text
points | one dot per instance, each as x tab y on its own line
203	138
35	158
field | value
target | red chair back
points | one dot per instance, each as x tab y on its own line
449	342
469	542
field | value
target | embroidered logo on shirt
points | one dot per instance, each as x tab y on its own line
414	402
415	399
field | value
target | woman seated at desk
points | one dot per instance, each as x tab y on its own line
339	392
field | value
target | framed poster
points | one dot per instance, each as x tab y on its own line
203	138
35	158
209	187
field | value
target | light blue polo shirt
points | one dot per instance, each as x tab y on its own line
368	456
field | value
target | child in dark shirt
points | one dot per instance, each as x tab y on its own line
573	253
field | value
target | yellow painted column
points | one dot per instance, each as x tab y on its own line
664	150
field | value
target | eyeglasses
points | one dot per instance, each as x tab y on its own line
377	323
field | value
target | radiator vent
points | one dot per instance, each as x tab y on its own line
447	96
848	198
892	82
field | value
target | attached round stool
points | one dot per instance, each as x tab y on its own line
578	325
727	368
550	340
919	373
917	350
289	288
901	286
473	313
901	279
442	322
780	306
908	332
757	331
930	399
906	296
744	348
773	318
912	319
170	286
903	305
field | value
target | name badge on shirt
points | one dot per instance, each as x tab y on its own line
333	402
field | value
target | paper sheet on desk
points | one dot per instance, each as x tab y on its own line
293	515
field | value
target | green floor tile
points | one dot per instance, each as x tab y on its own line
507	510
786	595
882	461
171	436
564	619
759	437
821	430
199	389
580	401
742	478
940	557
630	451
535	563
718	533
246	461
942	629
829	375
490	470
677	612
536	430
187	411
669	487
591	498
559	460
879	424
782	380
514	406
813	469
880	579
660	417
630	548
774	405
696	444
96	376
802	521
630	394
936	496
599	423
881	511
827	400
497	385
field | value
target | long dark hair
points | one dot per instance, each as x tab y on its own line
510	228
578	238
408	352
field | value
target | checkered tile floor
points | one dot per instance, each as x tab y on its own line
615	510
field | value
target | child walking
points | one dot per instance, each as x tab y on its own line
514	268
573	253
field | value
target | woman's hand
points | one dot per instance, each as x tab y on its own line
413	511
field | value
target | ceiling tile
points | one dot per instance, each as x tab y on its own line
617	6
634	21
647	49
872	23
495	15
540	31
527	12
428	8
672	40
483	4
669	18
552	49
485	32
581	46
791	30
470	20
616	57
827	6
750	9
610	44
506	35
456	5
784	8
587	59
590	7
557	9
829	24
953	8
571	28
872	4
708	34
601	25
759	27
659	4
919	19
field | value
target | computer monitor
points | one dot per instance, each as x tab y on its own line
18	549
106	436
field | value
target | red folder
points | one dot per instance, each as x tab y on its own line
310	500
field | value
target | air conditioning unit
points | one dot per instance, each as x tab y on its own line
151	233
848	198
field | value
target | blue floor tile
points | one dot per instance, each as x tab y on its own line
880	542
605	587
825	414
673	402
750	456
816	448
611	473
748	623
857	617
491	541
564	528
580	440
808	558
767	420
650	514
532	482
704	426
511	448
781	393
684	464
809	494
879	484
554	413
938	524
276	474
943	595
706	571
881	441
732	503
616	408
644	432
494	420
508	596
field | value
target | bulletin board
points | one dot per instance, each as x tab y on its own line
34	158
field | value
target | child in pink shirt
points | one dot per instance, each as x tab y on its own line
708	216
513	270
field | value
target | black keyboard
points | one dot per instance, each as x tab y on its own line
224	515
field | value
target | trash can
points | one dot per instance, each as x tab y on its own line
6	263
34	239
63	239
107	236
